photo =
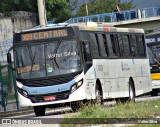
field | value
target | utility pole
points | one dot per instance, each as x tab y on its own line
86	7
42	12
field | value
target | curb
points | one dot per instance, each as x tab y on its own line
13	101
16	112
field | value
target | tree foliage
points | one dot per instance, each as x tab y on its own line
57	10
61	10
103	6
18	5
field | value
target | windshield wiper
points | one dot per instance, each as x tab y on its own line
32	58
55	51
156	61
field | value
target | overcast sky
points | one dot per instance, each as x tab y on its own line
145	3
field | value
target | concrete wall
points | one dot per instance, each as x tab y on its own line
20	23
13	22
6	34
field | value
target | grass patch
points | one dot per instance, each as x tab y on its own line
140	110
11	97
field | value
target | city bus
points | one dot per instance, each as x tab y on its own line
153	47
79	63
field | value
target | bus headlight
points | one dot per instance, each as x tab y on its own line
79	83
76	86
73	88
23	92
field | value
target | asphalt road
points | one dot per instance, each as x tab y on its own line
55	115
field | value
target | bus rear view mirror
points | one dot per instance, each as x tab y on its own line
9	59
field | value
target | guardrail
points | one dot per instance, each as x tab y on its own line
123	16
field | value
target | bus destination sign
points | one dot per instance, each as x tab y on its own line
44	35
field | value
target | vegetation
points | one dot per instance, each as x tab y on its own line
61	10
57	10
103	6
129	110
11	97
18	5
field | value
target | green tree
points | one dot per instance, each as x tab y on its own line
103	6
57	10
18	5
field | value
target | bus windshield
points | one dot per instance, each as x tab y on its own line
47	59
154	54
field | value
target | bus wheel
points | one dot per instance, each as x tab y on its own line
39	110
99	99
75	106
154	92
131	92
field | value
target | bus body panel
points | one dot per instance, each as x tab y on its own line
113	73
78	95
114	76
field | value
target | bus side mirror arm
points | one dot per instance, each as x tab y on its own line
9	59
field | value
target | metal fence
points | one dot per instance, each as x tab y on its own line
7	79
123	16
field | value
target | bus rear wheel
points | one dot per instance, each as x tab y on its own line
39	110
75	106
131	92
99	98
131	97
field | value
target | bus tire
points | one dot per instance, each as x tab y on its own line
39	110
131	92
98	93
75	106
131	97
154	92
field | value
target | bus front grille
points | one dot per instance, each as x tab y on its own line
58	96
48	81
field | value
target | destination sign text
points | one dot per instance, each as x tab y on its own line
44	35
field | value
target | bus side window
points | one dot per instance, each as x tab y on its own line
102	45
141	46
120	42
127	52
114	43
93	45
86	49
134	48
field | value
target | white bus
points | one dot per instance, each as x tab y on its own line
64	65
153	46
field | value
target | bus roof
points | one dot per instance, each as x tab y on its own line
107	27
90	26
155	33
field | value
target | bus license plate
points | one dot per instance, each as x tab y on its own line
49	98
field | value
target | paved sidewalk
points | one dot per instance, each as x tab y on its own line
10	106
11	110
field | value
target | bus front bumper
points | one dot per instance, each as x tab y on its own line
77	95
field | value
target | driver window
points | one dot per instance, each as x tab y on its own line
87	52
